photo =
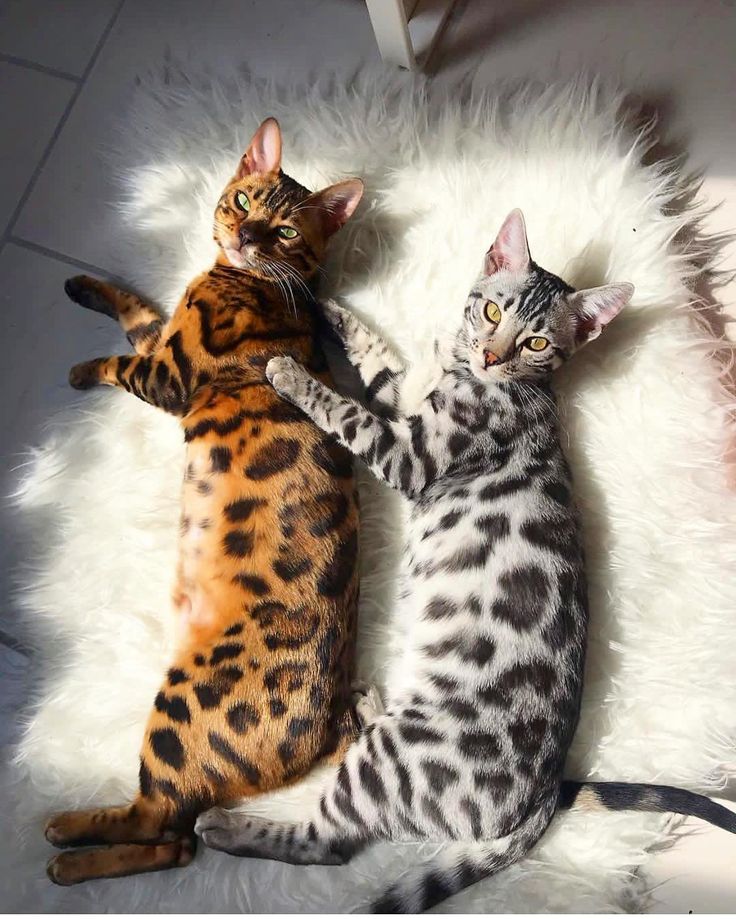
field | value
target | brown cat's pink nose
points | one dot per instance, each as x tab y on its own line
491	358
246	237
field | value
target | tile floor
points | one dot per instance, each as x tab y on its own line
66	67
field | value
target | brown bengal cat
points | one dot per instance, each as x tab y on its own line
266	589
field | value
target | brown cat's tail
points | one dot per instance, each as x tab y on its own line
625	796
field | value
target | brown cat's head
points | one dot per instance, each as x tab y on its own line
267	223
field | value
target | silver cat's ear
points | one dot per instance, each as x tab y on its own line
596	307
510	249
264	151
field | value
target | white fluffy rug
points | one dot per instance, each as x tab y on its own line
646	420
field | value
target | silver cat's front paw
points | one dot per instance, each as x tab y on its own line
367	702
285	375
337	316
331	308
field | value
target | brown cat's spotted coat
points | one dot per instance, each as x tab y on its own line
266	588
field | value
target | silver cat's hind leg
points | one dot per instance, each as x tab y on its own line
329	839
256	837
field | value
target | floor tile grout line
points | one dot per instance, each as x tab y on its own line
62	257
6	639
40	68
60	124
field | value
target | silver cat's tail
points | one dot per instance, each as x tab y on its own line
461	864
634	796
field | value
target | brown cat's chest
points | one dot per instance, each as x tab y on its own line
229	313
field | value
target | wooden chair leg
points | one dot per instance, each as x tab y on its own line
407	31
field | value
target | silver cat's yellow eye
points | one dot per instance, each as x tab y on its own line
288	232
536	344
243	202
492	312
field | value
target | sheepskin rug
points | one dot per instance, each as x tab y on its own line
646	416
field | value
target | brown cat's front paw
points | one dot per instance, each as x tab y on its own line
85	291
85	376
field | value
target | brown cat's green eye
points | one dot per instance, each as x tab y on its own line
537	343
492	312
241	199
288	232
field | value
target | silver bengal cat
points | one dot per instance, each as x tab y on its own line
472	744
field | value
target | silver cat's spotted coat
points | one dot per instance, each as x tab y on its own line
473	741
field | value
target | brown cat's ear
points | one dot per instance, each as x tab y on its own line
335	204
264	152
596	307
510	250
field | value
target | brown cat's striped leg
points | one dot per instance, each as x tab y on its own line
142	821
164	379
130	839
119	860
139	320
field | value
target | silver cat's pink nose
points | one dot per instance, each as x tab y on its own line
491	358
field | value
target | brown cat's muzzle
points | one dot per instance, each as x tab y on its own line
240	253
246	237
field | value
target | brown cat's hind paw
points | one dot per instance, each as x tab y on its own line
61	830
120	860
56	871
54	834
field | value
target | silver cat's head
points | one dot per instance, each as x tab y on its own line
522	322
